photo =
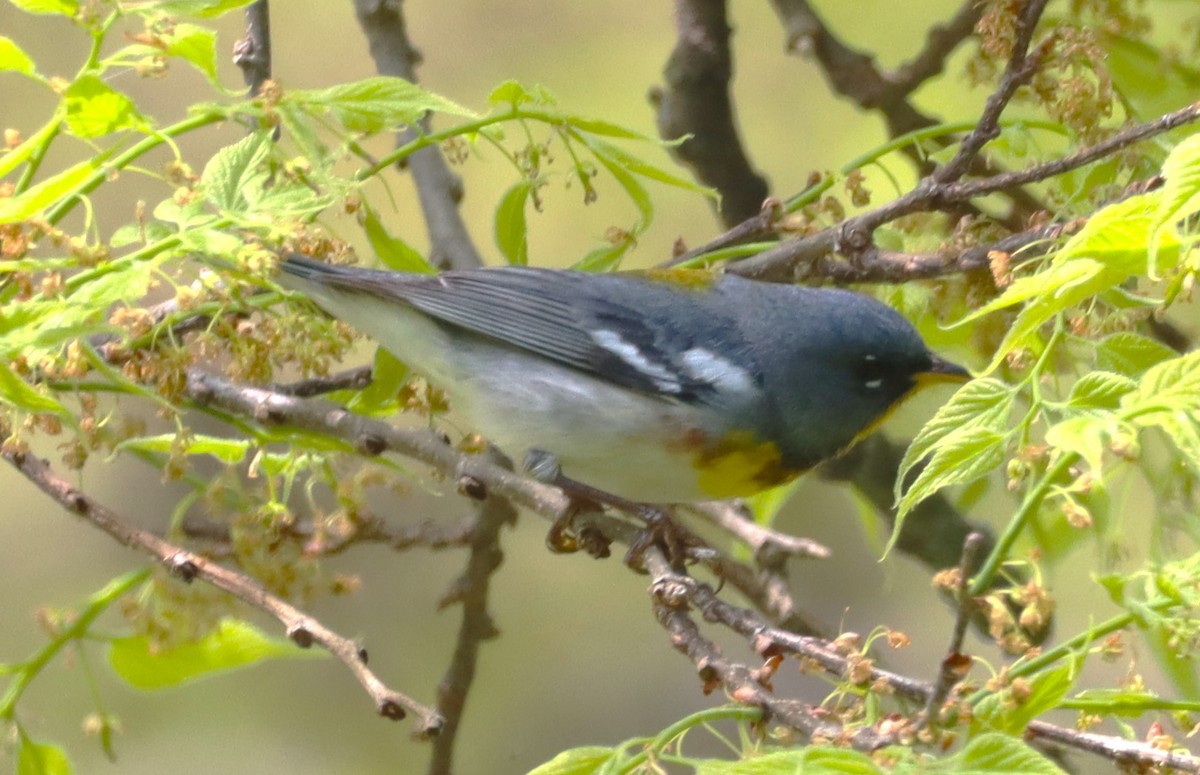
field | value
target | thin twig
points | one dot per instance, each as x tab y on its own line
302	628
438	188
956	664
741	683
1022	66
771	548
471	590
940	43
854	237
351	379
674	591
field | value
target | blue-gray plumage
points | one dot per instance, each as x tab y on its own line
754	381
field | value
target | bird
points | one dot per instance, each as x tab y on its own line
663	386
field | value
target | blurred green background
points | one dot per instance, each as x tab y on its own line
580	659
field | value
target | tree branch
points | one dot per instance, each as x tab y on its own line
302	628
252	54
439	189
471	590
695	103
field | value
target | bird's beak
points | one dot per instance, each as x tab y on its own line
941	370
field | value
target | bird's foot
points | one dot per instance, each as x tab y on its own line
562	538
663	533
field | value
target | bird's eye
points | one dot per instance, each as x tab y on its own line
871	372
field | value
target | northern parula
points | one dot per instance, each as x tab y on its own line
663	386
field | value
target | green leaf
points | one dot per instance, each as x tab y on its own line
14	59
512	93
226	450
1046	690
60	7
394	252
1109	249
388	375
806	760
125	281
577	761
960	458
765	505
195	45
611	154
233	644
1088	436
1149	82
1100	390
234	176
94	109
33	201
19	393
511	229
981	403
14	158
1170	386
998	754
605	258
1179	197
200	9
374	104
41	759
1131	354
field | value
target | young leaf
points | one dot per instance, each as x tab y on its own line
230	177
809	760
60	7
577	761
959	458
233	644
997	754
36	199
195	45
13	59
981	403
19	393
1179	197
394	252
1046	690
94	108
200	9
226	450
1100	390
374	104
1131	354
41	759
510	223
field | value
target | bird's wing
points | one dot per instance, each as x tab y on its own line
568	317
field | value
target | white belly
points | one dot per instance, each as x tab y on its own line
602	435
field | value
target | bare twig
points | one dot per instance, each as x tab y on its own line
741	683
471	590
1022	66
941	41
302	628
851	73
695	103
771	548
673	591
253	52
854	237
351	379
955	665
439	189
